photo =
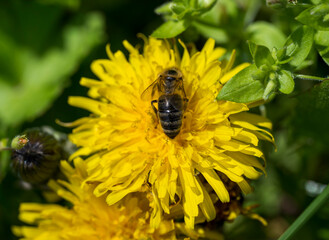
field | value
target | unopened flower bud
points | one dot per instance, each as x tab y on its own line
36	155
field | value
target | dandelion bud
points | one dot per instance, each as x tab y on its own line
36	155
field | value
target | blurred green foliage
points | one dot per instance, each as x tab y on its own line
35	62
32	80
46	46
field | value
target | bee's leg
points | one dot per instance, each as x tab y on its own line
185	103
155	111
154	108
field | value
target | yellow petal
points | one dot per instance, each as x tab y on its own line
246	159
134	187
247	137
207	206
186	56
85	103
254	119
237	119
245	187
216	183
192	196
230	62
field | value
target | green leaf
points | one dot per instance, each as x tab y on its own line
43	76
213	16
281	55
316	17
171	29
261	55
206	5
298	45
322	44
275	3
266	34
179	9
286	81
270	89
317	2
243	87
164	9
209	31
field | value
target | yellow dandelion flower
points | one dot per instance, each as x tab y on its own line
89	217
231	210
126	147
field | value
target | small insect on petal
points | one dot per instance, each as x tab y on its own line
19	142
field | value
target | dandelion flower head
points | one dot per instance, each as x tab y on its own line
126	148
89	217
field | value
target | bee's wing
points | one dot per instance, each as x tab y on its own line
180	89
151	91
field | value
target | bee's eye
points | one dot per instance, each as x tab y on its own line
170	78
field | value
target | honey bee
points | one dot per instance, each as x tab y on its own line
171	100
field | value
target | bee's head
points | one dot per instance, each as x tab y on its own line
171	74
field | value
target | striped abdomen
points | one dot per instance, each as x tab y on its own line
170	110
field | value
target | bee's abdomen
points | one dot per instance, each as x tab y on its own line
170	109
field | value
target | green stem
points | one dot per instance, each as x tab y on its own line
306	215
310	78
6	149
